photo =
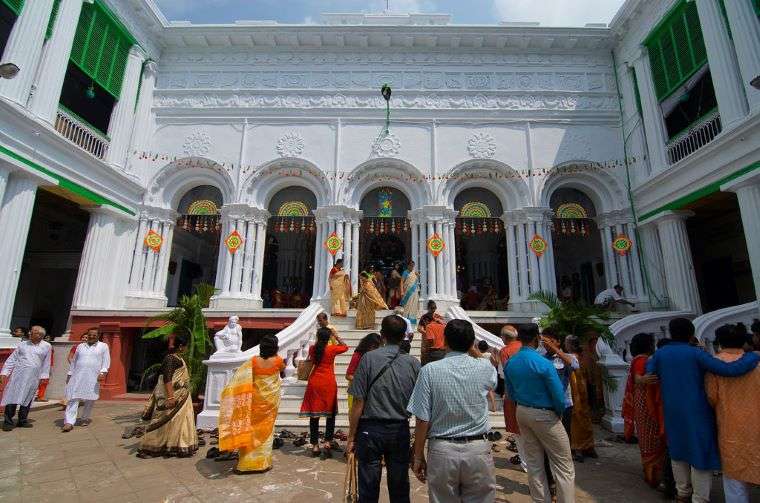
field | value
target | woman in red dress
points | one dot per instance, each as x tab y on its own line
321	396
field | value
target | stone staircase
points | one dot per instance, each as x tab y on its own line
290	403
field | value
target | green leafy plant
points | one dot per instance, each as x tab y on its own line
187	319
573	318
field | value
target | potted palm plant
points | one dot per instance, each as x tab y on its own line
573	318
188	319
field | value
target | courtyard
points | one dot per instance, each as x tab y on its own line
94	463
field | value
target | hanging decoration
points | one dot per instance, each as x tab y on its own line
571	210
153	240
233	241
385	225
384	204
622	244
571	219
203	207
436	245
473	226
538	245
333	244
293	209
475	209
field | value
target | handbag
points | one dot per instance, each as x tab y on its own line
351	481
304	369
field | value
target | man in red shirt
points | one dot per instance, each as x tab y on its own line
433	343
511	346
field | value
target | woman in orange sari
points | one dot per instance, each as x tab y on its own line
642	411
248	409
369	301
581	429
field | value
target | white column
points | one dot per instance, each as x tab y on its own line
676	254
624	271
522	257
52	70
724	69
651	259
138	255
123	114
143	122
95	266
348	251
15	219
249	249
747	190
534	268
24	48
237	259
745	30
439	265
258	258
634	262
340	226
355	252
319	264
164	255
610	267
551	273
415	242
451	258
514	289
654	127
5	173
149	280
431	275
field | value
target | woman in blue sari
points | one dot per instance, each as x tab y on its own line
411	293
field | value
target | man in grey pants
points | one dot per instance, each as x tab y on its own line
450	401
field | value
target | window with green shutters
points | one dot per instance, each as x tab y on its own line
676	49
14	5
757	6
101	47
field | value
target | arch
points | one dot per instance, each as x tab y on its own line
600	186
495	176
259	188
388	172
174	180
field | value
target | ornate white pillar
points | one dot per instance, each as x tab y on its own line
24	48
439	262
514	279
610	265
143	122
522	256
680	278
623	266
745	31
356	228
15	219
103	268
724	68
123	114
747	189
653	269
634	261
654	127
318	261
149	269
348	251
258	254
431	273
51	73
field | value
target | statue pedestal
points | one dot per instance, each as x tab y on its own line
614	386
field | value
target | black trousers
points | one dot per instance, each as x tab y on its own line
10	411
314	429
377	441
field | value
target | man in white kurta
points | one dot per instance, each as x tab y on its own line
27	365
88	368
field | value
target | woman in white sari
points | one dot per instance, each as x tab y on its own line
411	293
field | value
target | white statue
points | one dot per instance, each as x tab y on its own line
230	338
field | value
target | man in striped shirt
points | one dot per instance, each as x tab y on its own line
450	401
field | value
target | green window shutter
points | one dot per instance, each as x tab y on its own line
676	48
53	16
14	5
101	47
757	6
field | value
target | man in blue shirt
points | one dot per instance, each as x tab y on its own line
689	419
532	381
450	401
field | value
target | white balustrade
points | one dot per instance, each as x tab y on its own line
694	138
81	134
705	325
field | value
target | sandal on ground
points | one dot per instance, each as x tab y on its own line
515	460
67	428
316	453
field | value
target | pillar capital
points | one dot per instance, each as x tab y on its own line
338	213
750	179
156	213
669	216
529	214
614	217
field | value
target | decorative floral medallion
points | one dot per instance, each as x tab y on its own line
233	241
290	145
333	244
436	245
538	245
386	145
153	240
197	144
622	244
481	146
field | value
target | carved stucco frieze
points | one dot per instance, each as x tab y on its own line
197	144
290	145
386	145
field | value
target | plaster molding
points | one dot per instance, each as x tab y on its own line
386	145
290	145
197	144
481	146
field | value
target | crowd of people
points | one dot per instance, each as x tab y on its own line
690	412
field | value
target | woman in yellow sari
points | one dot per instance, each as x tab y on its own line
581	429
340	289
368	302
248	409
171	431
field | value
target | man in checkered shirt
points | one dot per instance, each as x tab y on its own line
450	402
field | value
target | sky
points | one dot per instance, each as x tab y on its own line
547	12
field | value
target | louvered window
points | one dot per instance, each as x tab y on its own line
757	6
53	16
676	49
14	5
101	47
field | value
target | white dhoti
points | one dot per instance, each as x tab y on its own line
89	362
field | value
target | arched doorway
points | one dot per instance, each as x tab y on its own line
385	239
578	257
288	275
195	245
482	278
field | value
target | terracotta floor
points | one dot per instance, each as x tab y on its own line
94	464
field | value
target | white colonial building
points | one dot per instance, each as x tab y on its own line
139	157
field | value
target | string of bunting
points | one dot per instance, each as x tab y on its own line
587	167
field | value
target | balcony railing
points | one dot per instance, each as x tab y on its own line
78	132
694	137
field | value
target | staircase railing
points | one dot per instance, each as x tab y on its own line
705	325
292	341
457	313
